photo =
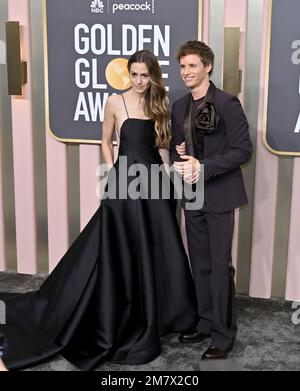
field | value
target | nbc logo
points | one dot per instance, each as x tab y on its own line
97	7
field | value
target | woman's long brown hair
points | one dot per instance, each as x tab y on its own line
156	101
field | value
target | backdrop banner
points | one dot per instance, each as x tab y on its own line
282	125
88	43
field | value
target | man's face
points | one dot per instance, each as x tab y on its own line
193	71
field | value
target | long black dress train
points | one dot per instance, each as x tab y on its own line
123	283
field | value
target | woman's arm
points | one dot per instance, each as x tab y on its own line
108	128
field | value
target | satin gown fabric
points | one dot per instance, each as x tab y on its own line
123	283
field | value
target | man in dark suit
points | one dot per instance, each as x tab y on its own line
210	134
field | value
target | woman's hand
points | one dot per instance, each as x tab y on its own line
180	149
189	169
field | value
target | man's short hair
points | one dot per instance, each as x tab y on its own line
199	48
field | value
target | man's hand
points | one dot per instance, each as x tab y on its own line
189	169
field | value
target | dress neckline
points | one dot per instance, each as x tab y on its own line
134	119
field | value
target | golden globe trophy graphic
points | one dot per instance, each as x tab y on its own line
117	75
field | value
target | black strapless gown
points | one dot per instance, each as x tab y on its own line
124	282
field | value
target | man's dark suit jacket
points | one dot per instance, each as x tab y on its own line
224	151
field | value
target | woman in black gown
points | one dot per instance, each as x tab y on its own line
125	281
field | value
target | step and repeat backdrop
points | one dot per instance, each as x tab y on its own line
282	127
88	44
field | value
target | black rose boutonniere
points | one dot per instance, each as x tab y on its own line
206	118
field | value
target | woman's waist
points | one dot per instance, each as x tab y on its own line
148	159
139	152
137	143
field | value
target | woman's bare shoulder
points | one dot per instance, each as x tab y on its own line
114	101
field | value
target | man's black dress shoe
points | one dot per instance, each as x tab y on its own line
214	353
192	336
